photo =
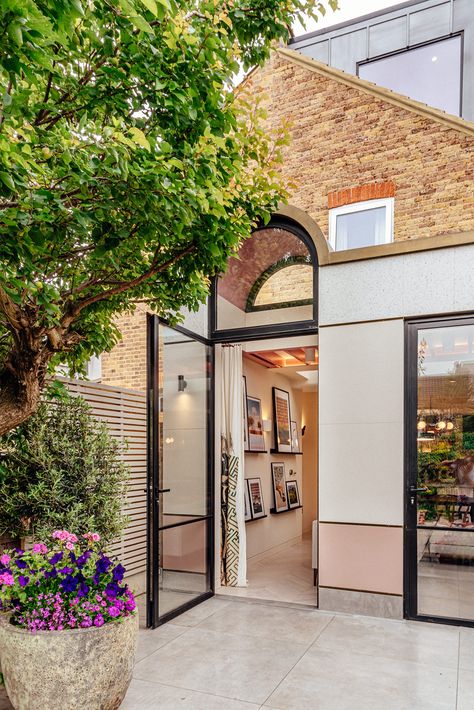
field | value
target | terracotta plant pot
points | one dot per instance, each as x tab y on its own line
68	670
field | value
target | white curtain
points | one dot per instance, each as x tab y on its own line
234	549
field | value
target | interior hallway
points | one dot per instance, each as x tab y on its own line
283	574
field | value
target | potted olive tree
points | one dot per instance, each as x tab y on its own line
68	627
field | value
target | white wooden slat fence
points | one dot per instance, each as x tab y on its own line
124	412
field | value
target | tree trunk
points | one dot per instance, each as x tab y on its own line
21	384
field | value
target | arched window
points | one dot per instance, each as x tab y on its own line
270	285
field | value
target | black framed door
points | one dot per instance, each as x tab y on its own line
439	451
180	471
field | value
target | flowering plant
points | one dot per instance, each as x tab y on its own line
71	584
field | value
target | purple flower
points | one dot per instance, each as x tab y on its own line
118	572
51	573
112	590
113	611
82	559
69	583
56	558
86	622
21	564
23	580
102	565
99	620
66	570
83	590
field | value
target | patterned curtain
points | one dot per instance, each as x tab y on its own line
233	543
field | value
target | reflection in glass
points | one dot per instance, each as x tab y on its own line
363	228
184	391
184	574
269	281
431	74
445	444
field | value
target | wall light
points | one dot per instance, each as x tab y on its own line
182	384
267	425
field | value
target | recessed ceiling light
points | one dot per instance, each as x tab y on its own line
434	59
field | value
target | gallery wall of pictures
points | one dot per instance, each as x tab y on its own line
273	460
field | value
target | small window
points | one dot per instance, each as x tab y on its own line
363	224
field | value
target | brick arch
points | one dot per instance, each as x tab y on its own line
307	223
268	246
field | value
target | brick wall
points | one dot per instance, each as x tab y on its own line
346	146
344	139
125	365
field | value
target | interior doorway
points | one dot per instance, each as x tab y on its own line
280	402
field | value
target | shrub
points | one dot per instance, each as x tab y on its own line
61	469
69	585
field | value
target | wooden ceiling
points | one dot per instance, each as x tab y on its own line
289	357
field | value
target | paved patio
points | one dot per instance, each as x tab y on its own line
238	655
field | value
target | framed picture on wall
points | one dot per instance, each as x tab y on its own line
256	439
293	494
281	417
244	413
257	507
247	508
279	488
295	439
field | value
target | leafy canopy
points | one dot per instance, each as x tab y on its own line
129	169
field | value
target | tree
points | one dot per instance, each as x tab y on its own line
129	169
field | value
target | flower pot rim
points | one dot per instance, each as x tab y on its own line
5	622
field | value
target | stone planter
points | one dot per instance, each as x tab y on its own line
68	670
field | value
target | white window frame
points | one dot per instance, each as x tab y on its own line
387	202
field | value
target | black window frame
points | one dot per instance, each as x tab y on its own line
410	560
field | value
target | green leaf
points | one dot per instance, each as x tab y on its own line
150	5
140	138
7	180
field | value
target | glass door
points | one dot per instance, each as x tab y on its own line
440	467
179	472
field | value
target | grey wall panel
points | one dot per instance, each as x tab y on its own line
429	23
464	21
387	36
417	284
318	51
349	49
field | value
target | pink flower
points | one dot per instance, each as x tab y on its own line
99	620
72	537
69	545
91	537
7	579
61	535
5	559
40	547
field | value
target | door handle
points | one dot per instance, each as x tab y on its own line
164	490
414	489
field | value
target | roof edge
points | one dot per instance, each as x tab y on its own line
449	120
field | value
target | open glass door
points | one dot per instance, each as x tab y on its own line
180	513
440	467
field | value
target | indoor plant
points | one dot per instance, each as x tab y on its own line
68	628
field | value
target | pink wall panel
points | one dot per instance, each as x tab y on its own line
362	557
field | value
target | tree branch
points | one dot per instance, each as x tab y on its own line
122	286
